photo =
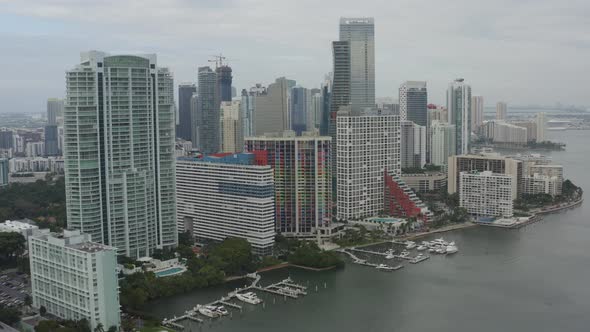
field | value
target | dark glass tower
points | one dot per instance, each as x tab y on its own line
184	128
224	80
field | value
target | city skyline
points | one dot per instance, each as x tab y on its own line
458	46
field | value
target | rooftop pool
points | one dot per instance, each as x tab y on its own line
169	271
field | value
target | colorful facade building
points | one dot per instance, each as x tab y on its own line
303	181
401	201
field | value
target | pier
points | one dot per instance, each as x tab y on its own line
278	289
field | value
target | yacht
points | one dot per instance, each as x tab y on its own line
248	297
441	250
431	250
451	249
422	247
389	256
404	253
410	244
384	267
205	311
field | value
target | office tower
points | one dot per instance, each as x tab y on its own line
54	110
232	135
442	142
207	111
360	35
234	92
6	139
476	112
227	196
303	181
459	108
541	127
487	194
3	172
480	163
317	108
413	101
299	106
368	149
184	128
501	110
119	152
340	95
413	145
224	80
74	278
326	101
51	143
272	109
248	107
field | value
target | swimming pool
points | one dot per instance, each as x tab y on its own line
170	271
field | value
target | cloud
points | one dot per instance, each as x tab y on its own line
514	50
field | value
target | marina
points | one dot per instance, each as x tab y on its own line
286	288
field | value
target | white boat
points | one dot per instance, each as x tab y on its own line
249	297
431	250
441	250
451	249
389	256
421	248
410	244
221	310
404	253
205	311
384	267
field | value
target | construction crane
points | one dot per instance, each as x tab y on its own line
218	59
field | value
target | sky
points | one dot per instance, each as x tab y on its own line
519	51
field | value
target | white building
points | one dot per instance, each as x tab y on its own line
476	112
22	227
368	146
541	127
232	136
487	194
542	184
227	197
442	144
550	171
74	278
500	131
501	110
413	145
35	149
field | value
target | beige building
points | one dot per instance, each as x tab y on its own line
232	137
494	163
425	182
272	109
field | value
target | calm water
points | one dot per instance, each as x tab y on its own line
533	279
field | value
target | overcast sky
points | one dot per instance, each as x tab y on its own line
521	51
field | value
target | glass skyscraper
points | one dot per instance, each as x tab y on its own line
119	152
208	113
360	34
459	108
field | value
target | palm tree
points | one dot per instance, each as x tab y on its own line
99	328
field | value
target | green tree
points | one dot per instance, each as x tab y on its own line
9	316
235	255
185	239
42	310
112	329
12	245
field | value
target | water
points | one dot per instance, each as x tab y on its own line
532	279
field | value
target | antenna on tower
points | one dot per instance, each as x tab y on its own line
218	59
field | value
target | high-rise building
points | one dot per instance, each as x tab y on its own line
501	110
531	129
232	135
481	163
541	127
272	109
184	128
303	181
317	107
459	108
299	107
51	143
368	148
207	115
442	144
476	112
248	107
119	152
35	149
326	102
360	35
227	196
500	131
224	80
74	278
55	109
340	95
6	139
3	172
487	194
413	101
413	145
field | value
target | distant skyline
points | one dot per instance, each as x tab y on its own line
518	51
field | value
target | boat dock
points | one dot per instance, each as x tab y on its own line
417	260
274	289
